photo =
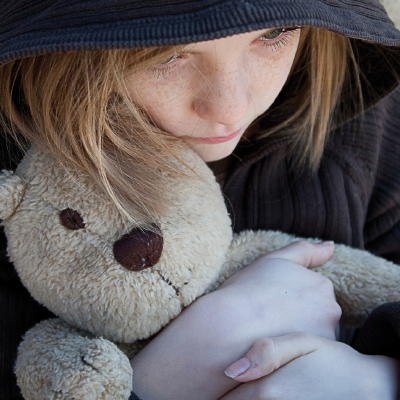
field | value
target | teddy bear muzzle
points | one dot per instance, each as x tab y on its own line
139	249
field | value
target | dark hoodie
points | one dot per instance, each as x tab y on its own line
354	198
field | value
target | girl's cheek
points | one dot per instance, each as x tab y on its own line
275	70
162	91
266	78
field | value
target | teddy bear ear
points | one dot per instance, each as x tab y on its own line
12	189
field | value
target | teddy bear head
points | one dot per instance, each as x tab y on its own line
79	256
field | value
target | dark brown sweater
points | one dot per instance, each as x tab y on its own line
353	198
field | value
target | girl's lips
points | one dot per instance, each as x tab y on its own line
217	139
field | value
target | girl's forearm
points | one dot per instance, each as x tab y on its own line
188	357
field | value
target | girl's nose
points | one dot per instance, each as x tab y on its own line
224	99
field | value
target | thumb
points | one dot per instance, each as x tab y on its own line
269	354
305	253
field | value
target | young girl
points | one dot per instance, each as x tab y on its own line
295	106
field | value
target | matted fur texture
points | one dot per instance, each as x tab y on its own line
74	274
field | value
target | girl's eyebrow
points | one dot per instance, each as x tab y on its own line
184	51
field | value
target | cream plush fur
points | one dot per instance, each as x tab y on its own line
107	311
393	9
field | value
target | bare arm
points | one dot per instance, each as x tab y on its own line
273	296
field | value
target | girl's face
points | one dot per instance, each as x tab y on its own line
212	91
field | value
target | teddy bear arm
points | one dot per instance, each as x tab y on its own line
362	282
56	361
246	247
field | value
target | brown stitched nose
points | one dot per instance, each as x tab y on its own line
139	249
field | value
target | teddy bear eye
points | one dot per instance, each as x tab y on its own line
71	219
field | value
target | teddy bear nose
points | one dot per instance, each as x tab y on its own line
139	249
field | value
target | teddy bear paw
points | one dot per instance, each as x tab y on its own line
57	362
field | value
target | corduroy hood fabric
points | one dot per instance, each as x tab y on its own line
38	27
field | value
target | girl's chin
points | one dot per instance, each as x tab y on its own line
214	152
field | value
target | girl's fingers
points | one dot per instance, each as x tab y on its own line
305	253
269	354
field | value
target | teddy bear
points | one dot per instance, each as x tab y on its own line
113	283
393	9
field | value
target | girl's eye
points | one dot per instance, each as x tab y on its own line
171	59
274	34
166	67
278	37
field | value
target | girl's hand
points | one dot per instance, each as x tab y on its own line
310	368
274	296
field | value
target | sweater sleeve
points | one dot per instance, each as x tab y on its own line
382	224
381	332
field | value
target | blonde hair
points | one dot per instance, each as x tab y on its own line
324	78
75	105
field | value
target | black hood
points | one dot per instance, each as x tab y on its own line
37	27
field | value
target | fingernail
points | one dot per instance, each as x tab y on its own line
327	242
238	367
